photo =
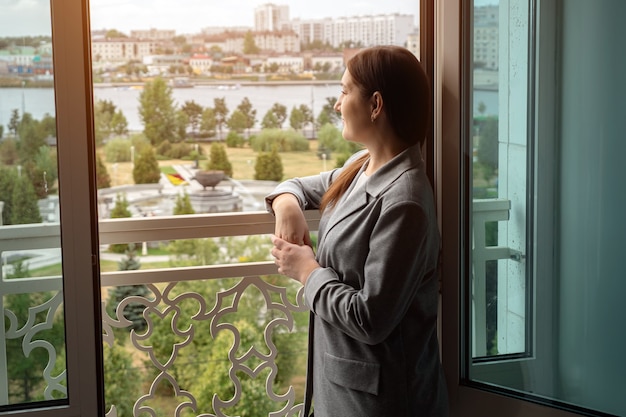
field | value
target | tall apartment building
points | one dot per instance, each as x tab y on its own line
486	31
271	17
390	29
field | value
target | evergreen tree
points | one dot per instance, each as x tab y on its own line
146	169
183	205
133	311
14	122
268	166
218	160
157	111
120	210
103	179
8	178
25	209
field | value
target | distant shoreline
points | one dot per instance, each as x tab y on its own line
9	82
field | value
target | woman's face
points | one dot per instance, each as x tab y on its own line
355	110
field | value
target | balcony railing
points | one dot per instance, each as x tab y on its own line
165	303
191	317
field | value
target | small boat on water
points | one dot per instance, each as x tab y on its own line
180	82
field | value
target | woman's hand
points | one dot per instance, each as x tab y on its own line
294	261
290	222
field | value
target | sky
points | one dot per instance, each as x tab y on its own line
32	17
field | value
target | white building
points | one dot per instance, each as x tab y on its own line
286	63
391	29
271	17
122	50
283	42
201	64
154	34
486	34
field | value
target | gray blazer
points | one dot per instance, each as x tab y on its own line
373	339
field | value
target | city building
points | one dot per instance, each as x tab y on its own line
271	17
153	34
122	49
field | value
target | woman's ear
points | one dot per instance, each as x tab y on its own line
377	105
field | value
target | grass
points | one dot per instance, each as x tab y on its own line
295	164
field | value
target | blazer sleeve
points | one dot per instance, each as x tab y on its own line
403	253
309	190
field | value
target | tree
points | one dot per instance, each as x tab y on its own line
208	122
31	138
487	152
249	46
25	372
119	124
44	171
183	205
300	117
328	113
275	117
102	114
14	122
245	107
268	166
194	114
122	381
120	210
218	160
133	311
157	111
146	169
237	121
103	179
221	111
8	179
8	152
25	209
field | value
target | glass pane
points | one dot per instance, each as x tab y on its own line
499	183
226	83
32	336
558	303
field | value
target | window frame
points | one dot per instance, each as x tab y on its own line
451	42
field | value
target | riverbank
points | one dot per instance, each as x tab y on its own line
19	82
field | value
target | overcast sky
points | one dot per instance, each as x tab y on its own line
32	17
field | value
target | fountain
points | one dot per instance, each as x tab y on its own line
211	199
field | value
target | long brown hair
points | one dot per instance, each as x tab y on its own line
398	76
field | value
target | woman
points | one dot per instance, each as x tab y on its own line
372	288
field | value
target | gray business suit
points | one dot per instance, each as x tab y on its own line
374	301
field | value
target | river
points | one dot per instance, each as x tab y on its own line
39	101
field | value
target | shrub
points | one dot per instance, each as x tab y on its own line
282	140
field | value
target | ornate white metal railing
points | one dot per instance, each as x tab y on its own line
187	313
192	318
